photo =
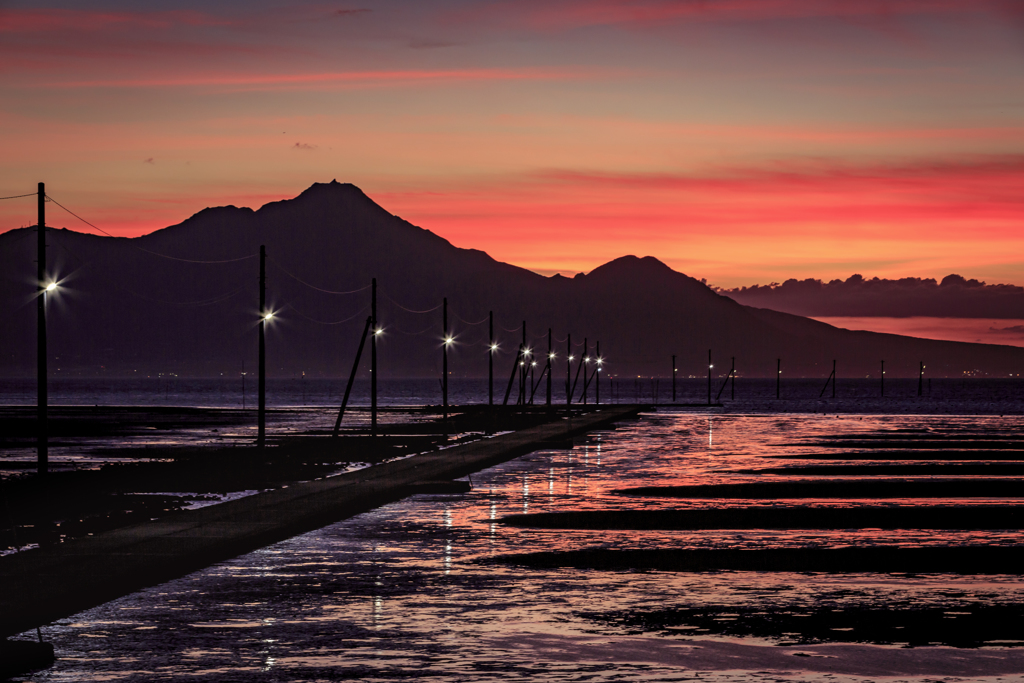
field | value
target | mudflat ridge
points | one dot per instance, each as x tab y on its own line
57	581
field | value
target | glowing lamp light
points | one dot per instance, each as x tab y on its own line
448	340
551	356
571	357
533	364
711	366
494	347
51	287
379	331
268	315
526	352
600	360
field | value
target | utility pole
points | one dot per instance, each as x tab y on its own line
261	432
523	368
882	385
444	370
673	379
709	376
551	357
920	380
778	378
568	371
833	378
490	360
586	361
373	357
597	375
42	462
732	381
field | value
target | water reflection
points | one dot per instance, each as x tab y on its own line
297	610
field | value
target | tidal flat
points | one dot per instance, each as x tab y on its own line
430	587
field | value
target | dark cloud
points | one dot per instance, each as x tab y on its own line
954	297
149	160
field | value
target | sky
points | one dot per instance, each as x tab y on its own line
741	141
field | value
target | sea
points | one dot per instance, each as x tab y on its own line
416	590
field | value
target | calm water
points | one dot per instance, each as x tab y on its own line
397	593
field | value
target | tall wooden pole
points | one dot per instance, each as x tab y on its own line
709	376
673	379
597	374
833	378
586	361
568	371
374	330
444	369
551	357
522	368
42	463
732	380
261	432
490	360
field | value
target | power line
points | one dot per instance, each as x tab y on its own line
172	258
466	322
410	310
324	322
19	196
319	289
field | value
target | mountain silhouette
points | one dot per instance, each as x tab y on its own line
142	306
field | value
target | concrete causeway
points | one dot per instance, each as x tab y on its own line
41	586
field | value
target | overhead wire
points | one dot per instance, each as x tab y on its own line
19	196
410	310
199	302
324	322
143	249
311	286
466	322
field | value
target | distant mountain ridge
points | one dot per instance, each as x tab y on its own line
124	311
953	297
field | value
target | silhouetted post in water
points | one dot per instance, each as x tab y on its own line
586	362
261	420
42	396
882	385
673	379
522	368
778	378
709	376
373	357
732	383
243	384
597	375
833	378
444	369
568	371
551	357
352	375
490	359
920	380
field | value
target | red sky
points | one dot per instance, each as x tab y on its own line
743	141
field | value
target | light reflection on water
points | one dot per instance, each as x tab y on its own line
394	593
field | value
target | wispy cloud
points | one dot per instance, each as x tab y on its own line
49	20
341	78
567	14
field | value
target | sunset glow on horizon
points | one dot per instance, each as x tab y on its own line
739	141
